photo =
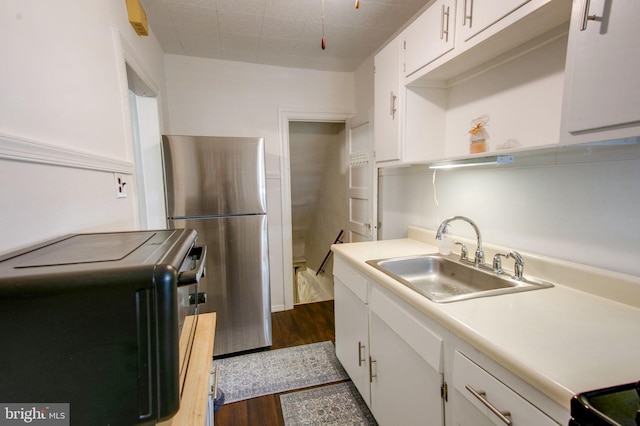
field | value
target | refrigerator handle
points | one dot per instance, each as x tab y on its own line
193	275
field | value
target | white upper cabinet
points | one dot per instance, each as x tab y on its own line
409	123
474	16
430	36
602	86
477	32
387	99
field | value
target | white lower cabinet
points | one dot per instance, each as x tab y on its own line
406	366
352	336
412	371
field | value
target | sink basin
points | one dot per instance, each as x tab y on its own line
445	279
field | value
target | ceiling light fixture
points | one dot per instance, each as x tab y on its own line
496	160
357	4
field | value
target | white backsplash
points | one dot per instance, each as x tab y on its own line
585	212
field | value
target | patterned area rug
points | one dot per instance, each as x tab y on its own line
264	373
336	405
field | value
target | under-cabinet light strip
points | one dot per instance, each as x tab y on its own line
471	162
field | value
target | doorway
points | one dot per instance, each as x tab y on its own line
318	173
145	123
357	129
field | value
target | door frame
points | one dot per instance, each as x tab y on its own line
286	115
141	79
353	123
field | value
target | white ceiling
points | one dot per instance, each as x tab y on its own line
278	32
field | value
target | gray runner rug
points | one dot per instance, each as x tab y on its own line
335	405
264	373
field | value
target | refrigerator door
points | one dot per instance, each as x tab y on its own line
236	279
210	176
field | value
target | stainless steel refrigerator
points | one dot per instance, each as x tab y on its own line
216	185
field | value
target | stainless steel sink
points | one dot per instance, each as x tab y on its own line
445	279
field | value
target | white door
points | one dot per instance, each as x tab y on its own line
362	225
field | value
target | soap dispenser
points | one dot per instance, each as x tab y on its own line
445	245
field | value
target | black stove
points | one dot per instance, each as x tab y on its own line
95	321
613	406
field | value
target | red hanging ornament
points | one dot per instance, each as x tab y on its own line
323	43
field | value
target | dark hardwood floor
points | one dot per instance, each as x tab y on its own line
309	323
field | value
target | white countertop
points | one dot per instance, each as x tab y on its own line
563	340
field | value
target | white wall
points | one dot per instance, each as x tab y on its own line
223	98
64	117
318	183
523	99
585	212
331	212
363	81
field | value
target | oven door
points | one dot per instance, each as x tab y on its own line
191	272
188	299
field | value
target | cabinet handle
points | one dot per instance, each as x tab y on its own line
502	415
468	16
360	359
392	106
371	375
585	15
444	34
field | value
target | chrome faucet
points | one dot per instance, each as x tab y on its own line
479	259
497	263
518	268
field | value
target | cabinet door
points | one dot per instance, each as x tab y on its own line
352	336
474	16
477	398
405	390
406	362
602	89
430	36
387	111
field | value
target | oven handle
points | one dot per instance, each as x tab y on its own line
192	276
